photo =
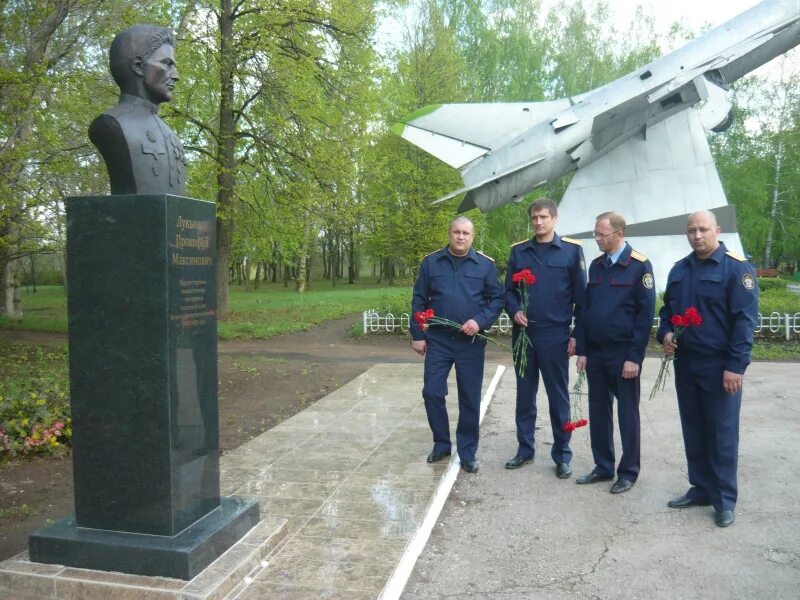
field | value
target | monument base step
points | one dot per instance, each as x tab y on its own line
23	579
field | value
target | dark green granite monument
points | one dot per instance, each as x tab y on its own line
143	348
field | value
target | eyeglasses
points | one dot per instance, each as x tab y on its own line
601	236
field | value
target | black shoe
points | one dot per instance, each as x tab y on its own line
593	477
685	501
471	466
518	461
621	486
435	456
724	518
563	470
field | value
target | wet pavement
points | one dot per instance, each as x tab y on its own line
350	507
350	476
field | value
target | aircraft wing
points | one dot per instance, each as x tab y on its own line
457	134
654	181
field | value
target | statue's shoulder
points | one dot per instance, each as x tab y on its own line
570	240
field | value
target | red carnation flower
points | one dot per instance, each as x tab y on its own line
524	276
677	321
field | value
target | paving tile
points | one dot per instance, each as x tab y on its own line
335	574
389	511
287	506
288	489
330	527
384	552
261	590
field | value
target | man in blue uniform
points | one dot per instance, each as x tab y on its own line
462	285
554	298
710	360
612	334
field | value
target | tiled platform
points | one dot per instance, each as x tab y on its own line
349	478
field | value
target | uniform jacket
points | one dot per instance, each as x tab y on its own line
619	307
473	291
142	154
558	292
724	290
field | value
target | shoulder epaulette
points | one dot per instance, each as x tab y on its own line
572	241
520	242
484	255
431	253
735	256
638	256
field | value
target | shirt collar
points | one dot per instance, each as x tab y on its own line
615	256
716	256
471	254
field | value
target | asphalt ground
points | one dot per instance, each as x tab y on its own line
525	534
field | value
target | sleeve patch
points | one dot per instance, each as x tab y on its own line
647	281
748	282
638	256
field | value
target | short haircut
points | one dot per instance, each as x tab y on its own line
461	219
616	220
543	204
139	40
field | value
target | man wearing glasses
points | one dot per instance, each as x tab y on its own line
612	331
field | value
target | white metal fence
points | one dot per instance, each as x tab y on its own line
775	324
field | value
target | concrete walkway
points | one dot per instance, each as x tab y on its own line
349	474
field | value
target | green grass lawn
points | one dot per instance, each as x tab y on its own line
269	311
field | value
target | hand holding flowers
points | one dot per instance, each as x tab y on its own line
522	279
690	318
426	318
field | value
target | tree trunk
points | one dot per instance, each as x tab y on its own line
226	157
773	213
257	280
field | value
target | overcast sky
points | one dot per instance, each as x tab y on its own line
693	13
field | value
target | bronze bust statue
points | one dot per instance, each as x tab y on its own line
142	154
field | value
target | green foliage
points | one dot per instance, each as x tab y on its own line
778	300
765	349
273	310
771	283
34	401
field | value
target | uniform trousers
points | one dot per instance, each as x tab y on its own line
548	356
604	376
710	424
467	353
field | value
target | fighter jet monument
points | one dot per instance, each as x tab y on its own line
636	145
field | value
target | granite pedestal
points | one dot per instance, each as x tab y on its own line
143	379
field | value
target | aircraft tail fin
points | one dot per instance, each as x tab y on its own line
457	134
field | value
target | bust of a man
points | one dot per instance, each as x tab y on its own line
142	154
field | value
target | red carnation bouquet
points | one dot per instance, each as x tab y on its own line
576	405
690	318
426	318
522	279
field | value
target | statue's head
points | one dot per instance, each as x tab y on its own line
142	61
